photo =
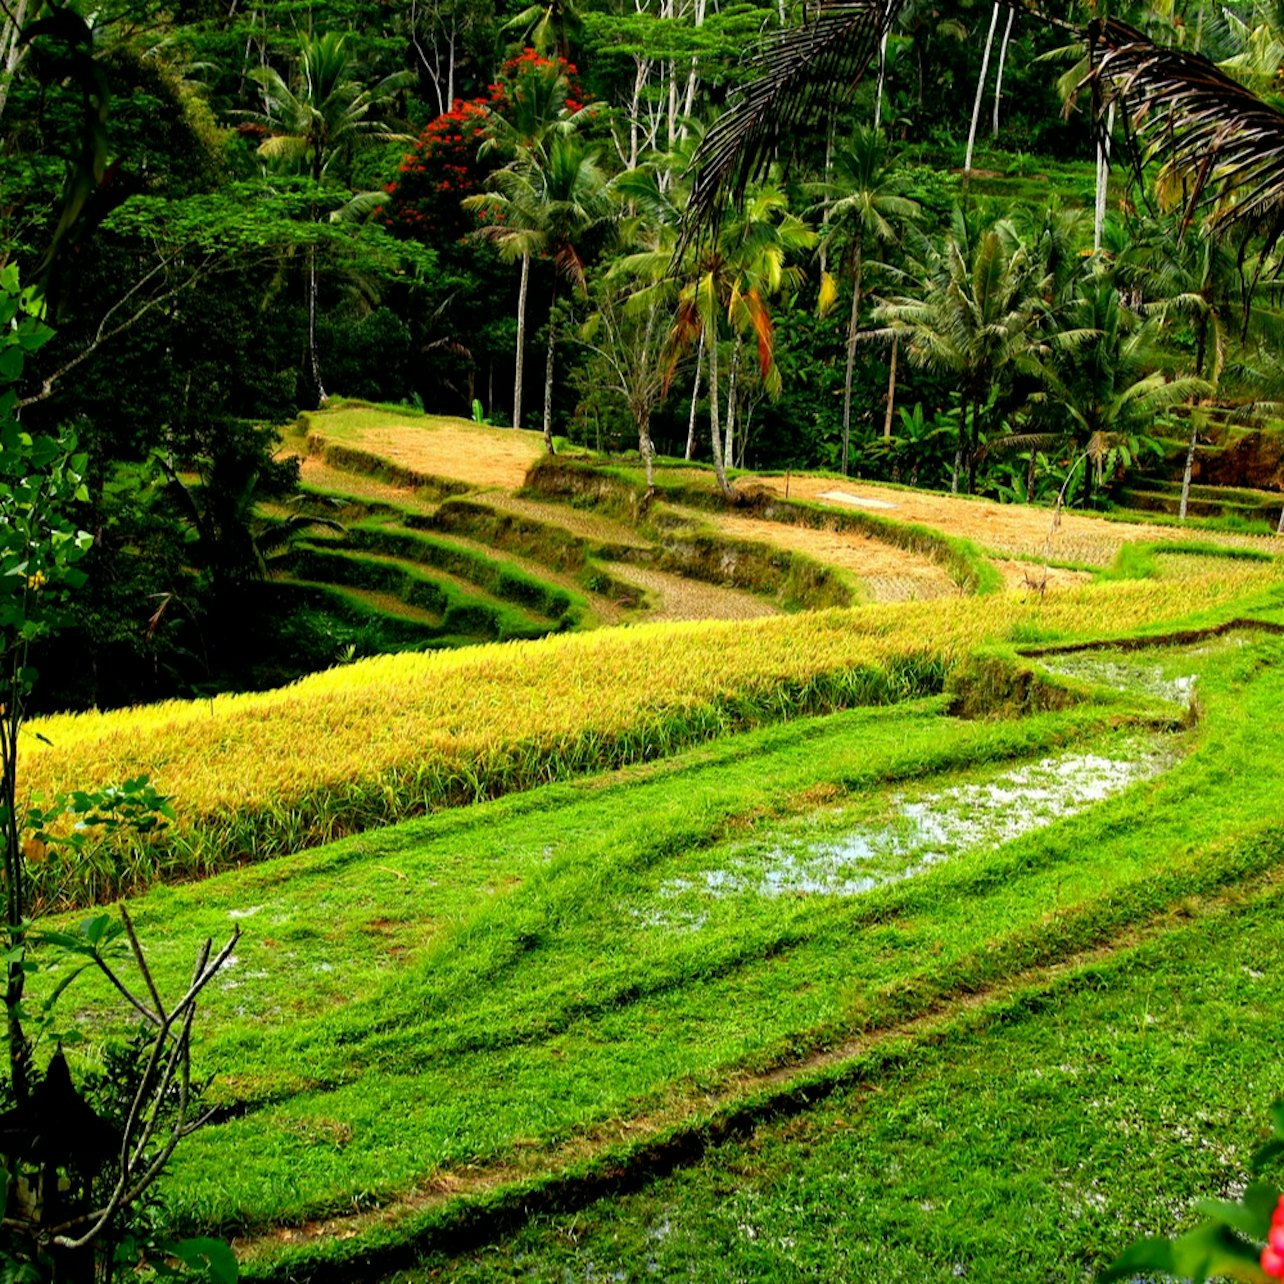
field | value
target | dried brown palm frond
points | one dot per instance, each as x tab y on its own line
1222	146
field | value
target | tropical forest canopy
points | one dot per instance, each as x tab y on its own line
234	211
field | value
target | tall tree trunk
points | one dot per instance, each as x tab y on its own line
314	357
646	448
853	329
12	50
450	69
695	398
548	372
891	388
1103	177
693	77
973	440
998	75
715	433
521	341
670	73
980	90
1188	470
882	77
728	456
824	208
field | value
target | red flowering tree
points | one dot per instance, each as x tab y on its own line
457	152
445	166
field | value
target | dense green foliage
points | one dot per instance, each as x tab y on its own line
227	222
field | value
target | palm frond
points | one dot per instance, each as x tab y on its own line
1224	146
798	72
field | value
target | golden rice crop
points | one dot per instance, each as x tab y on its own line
368	743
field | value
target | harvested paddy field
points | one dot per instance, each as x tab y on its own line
889	574
432	445
674	597
1015	530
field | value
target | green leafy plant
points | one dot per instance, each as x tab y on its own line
1239	1240
71	1177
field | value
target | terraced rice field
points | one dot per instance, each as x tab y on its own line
889	574
1015	530
674	597
737	946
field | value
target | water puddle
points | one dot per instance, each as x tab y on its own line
1139	672
916	831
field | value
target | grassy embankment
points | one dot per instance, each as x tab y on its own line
368	744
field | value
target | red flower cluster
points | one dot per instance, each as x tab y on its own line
1273	1253
444	166
442	169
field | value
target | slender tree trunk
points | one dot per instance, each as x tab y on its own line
695	397
12	50
521	341
670	72
882	77
998	75
646	447
450	69
958	448
973	439
548	373
715	433
853	329
314	357
1188	470
980	90
891	388
693	77
728	456
1103	178
824	208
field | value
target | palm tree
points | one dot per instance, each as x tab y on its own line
548	25
729	282
974	318
544	205
1101	379
870	202
320	116
535	111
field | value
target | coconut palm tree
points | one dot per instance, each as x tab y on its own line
545	205
314	121
869	204
1101	380
730	280
537	108
974	317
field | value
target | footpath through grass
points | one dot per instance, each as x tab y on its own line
490	1000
